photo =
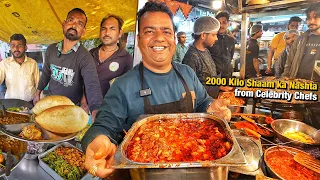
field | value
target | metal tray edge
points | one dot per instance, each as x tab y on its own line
220	162
50	171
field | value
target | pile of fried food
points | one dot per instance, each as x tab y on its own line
31	132
232	98
68	162
182	140
299	136
58	114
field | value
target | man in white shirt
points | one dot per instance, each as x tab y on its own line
21	73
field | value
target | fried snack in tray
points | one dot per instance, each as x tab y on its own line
182	140
232	98
31	132
68	162
49	102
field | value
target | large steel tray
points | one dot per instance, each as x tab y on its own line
51	172
13	130
234	158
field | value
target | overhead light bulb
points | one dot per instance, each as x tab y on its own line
216	4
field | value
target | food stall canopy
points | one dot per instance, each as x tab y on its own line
40	20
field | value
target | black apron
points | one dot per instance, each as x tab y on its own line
184	105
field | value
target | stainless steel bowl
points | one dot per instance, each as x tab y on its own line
271	171
280	126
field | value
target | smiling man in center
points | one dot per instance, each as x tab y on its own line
155	86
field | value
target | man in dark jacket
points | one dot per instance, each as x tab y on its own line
306	49
223	49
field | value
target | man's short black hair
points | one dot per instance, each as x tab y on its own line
313	7
119	19
295	19
19	37
80	11
223	14
153	6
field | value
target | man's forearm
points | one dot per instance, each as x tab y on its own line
256	65
270	55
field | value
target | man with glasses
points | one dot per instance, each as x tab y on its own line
306	49
20	72
278	44
223	49
181	48
69	67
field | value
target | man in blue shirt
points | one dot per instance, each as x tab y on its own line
181	48
155	86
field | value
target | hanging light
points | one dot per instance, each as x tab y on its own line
216	4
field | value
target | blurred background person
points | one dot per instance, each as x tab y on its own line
181	48
278	43
289	38
223	49
252	52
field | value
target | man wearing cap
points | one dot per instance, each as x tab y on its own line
305	50
223	49
289	38
181	48
198	56
278	43
252	52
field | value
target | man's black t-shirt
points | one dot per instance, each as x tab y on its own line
251	53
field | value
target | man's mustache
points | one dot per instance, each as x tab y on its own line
72	29
106	36
16	52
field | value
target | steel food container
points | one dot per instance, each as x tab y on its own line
50	171
217	169
270	170
280	126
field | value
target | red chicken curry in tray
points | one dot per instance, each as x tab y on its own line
183	140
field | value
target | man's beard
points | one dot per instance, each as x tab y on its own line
315	29
70	36
22	54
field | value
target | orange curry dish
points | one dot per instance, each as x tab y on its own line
183	140
285	166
